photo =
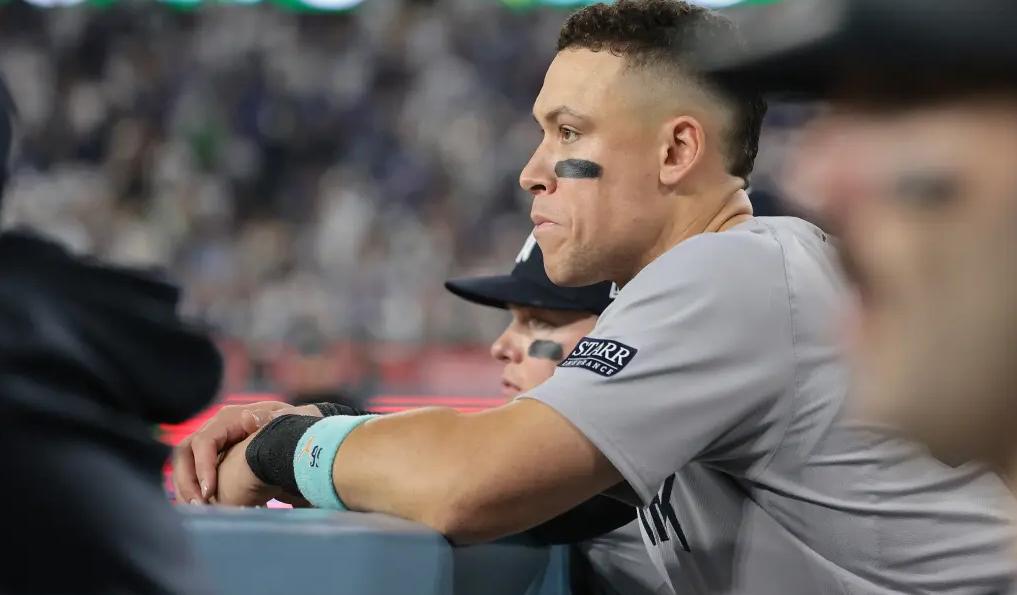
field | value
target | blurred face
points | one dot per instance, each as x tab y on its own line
918	198
594	176
534	343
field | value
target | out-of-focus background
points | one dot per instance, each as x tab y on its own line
310	176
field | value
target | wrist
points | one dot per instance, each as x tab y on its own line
315	455
270	453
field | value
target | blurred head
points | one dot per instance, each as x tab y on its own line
920	192
535	341
914	167
638	151
547	320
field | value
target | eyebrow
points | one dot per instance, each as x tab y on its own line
558	111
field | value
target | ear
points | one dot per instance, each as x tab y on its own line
683	145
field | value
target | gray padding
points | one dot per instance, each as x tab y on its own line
319	552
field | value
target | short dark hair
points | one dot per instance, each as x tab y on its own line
666	32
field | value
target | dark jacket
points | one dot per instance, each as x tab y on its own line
92	357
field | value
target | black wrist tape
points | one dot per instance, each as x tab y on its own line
270	454
330	409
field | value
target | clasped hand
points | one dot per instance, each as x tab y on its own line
210	465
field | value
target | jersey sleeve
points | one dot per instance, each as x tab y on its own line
689	363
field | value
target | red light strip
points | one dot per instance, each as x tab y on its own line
173	434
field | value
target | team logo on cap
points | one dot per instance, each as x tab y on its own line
600	356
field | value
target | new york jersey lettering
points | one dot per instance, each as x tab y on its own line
661	513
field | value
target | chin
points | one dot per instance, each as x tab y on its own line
566	278
953	440
956	454
557	260
563	272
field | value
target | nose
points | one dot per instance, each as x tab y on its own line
537	176
505	348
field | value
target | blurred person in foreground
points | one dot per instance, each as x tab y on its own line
718	358
914	162
92	357
547	322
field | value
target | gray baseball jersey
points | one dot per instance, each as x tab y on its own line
715	387
620	565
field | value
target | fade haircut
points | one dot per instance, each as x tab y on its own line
664	34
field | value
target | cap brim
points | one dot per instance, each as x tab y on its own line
505	290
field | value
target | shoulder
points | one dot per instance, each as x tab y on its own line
731	266
744	248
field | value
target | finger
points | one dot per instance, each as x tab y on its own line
206	459
253	419
271	406
230	413
208	449
256	418
185	481
209	444
224	429
309	410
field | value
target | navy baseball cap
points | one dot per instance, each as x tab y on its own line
528	285
809	48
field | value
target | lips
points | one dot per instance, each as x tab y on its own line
509	389
540	220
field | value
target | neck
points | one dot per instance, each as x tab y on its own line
734	210
720	210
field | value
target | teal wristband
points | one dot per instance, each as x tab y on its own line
316	451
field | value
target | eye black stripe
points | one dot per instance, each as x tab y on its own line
577	168
547	350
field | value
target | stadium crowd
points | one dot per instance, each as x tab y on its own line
751	400
307	177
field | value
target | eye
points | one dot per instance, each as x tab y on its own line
928	189
567	135
537	324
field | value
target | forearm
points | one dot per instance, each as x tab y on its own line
400	465
473	477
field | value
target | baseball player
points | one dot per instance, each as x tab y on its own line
547	322
717	359
916	165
